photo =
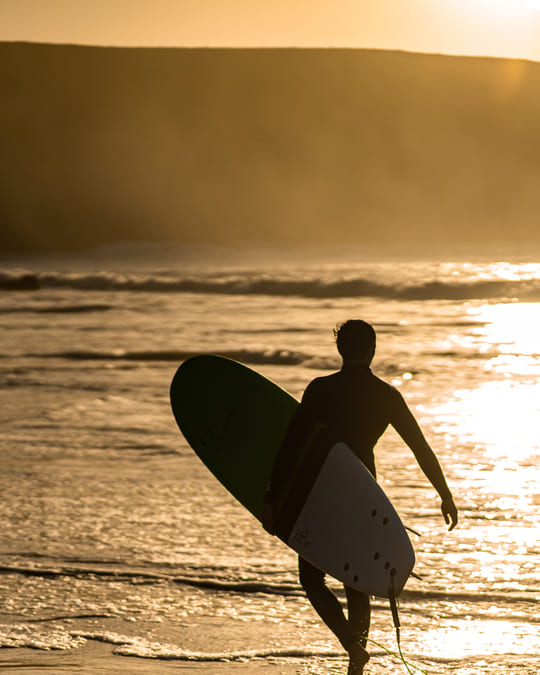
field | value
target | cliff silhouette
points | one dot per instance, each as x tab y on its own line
276	146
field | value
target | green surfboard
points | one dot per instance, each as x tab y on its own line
235	420
329	509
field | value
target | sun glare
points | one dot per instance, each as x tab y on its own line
509	6
459	638
502	414
509	328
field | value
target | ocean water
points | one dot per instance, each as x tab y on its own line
113	530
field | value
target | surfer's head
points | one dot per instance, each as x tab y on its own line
355	341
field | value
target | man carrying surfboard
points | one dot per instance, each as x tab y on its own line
357	407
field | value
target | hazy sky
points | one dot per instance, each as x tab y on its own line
487	27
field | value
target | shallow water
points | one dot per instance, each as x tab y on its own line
113	530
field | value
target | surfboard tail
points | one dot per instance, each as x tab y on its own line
348	527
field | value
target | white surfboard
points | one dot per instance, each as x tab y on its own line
338	517
348	528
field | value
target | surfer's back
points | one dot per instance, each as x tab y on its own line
356	405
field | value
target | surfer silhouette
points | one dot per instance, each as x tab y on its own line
357	407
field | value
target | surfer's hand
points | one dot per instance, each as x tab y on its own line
449	512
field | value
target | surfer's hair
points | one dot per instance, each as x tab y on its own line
355	340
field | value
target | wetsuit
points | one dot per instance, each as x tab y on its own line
357	406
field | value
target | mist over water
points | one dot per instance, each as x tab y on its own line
112	528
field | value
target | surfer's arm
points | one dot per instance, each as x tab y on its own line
280	470
300	424
408	428
286	460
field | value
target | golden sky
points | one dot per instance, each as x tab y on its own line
481	27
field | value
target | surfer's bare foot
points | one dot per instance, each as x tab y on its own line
358	657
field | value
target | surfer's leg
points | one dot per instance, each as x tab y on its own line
358	657
329	609
325	602
359	611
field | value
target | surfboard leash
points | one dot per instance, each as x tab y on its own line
397	625
394	604
395	655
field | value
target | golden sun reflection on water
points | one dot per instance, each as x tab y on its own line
498	417
501	413
503	416
509	328
461	638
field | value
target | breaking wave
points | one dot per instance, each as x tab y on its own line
252	357
59	638
253	284
83	308
203	581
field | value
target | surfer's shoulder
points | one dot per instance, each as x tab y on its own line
325	379
386	388
322	384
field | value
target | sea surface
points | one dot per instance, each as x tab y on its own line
113	530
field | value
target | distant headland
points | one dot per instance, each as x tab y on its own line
278	146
